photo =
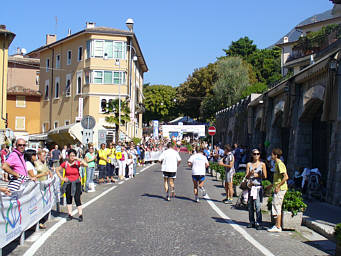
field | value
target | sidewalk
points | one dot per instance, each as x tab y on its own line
322	218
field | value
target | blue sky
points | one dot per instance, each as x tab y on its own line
175	36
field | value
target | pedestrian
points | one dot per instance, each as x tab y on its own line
72	182
124	160
56	155
199	163
4	154
280	188
90	158
170	160
30	157
130	164
237	156
111	163
43	172
228	162
15	166
64	153
102	164
255	172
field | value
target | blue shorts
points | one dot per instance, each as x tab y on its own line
198	177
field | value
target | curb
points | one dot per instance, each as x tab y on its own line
324	229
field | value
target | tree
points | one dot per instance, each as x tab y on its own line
112	109
160	103
244	47
233	79
197	86
255	88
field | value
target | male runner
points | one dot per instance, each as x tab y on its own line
199	163
170	160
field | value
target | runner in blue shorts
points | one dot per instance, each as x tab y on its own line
199	163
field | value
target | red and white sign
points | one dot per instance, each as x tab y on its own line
211	130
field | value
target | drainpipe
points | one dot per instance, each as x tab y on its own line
52	83
3	80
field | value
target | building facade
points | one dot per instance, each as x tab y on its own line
82	72
6	38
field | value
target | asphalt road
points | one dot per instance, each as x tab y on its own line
135	219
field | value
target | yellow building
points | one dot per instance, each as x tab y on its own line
81	71
6	38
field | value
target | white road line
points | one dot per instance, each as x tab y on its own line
246	235
121	182
37	244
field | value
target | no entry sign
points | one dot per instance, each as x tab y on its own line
211	130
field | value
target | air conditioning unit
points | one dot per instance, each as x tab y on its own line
117	62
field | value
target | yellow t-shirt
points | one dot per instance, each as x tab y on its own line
111	153
280	169
102	154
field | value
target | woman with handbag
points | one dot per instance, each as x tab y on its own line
255	172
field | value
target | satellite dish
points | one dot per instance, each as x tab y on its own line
23	51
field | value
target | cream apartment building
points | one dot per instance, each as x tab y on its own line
86	69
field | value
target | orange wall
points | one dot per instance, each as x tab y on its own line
31	113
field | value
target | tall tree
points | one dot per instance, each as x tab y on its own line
243	47
160	103
197	86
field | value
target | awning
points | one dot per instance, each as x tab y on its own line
38	137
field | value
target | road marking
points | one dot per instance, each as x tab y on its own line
121	182
246	235
37	244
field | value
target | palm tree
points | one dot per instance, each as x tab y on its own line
112	108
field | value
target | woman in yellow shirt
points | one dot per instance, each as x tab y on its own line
111	163
102	163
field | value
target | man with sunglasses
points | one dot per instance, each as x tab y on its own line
15	166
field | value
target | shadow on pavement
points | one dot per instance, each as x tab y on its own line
163	198
323	245
227	221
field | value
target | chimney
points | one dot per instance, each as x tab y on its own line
2	26
18	50
90	24
69	32
285	39
50	39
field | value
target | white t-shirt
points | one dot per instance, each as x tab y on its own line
30	166
199	162
169	159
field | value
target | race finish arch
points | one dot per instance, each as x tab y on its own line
178	131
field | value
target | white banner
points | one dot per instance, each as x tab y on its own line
24	208
152	155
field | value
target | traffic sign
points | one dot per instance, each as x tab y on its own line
88	122
211	130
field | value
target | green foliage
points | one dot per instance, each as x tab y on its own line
266	183
238	177
218	168
256	88
292	202
232	81
244	47
337	233
197	86
160	103
189	147
136	140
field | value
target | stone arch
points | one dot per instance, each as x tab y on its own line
312	101
278	111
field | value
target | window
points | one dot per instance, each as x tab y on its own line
80	53
119	50
119	77
98	48
37	77
79	82
109	77
104	103
56	88
67	122
68	57
68	85
47	64
106	49
46	95
55	124
58	61
87	77
45	127
20	102
98	77
20	123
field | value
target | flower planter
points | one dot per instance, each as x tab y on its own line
264	205
290	222
209	171
214	173
237	190
218	176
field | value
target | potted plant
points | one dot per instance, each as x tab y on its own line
266	194
337	235
237	179
214	169
292	209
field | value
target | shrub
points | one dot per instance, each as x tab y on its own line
337	233
293	202
238	177
136	140
266	183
